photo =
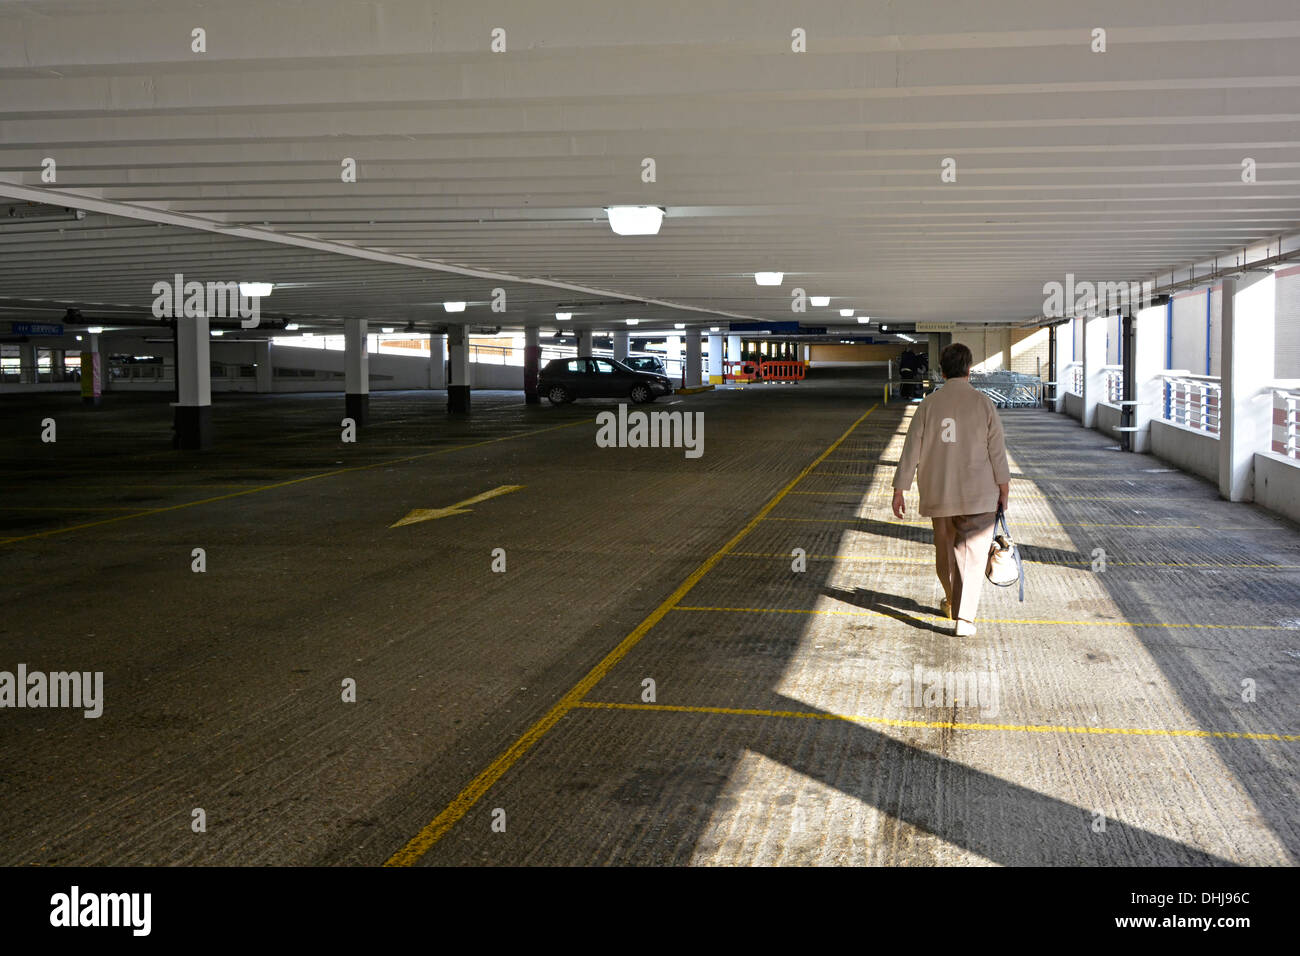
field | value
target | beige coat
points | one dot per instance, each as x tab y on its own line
956	450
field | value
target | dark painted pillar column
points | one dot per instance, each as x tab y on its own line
458	383
356	371
532	363
193	385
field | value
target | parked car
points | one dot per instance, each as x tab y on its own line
563	380
646	363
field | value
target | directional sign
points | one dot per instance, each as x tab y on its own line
36	328
459	508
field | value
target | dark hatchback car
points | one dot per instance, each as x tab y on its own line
646	363
564	380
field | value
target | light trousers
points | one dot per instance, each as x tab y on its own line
961	553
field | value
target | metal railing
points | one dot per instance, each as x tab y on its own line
1114	381
1193	401
1009	389
1286	413
140	372
1073	376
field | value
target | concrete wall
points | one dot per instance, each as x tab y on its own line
989	347
819	353
386	371
1187	448
1277	484
496	376
1108	419
1074	406
1029	348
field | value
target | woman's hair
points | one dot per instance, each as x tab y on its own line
955	361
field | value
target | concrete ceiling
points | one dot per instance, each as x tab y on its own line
825	164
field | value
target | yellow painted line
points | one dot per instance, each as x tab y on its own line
938	724
196	485
437	828
1022	496
1082	562
868	493
65	509
459	508
1106	478
986	620
1019	524
284	484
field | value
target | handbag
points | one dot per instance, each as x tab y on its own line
1004	567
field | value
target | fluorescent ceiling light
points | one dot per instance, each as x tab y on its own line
769	278
291	327
633	321
386	329
715	328
78	338
679	325
864	319
454	306
255	290
820	301
217	332
635	220
563	316
846	312
94	329
884	328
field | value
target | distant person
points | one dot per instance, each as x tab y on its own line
907	372
956	450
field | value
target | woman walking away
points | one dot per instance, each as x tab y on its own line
956	450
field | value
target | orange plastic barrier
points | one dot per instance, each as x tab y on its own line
782	371
740	371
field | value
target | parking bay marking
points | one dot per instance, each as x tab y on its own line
459	508
436	829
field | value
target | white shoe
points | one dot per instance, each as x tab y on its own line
964	628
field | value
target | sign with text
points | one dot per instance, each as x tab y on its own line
36	328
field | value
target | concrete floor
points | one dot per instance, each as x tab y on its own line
776	735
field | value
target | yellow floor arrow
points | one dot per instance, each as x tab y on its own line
459	508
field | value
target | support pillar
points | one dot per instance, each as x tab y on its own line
584	341
458	384
734	348
193	418
92	372
1053	373
264	374
1144	362
533	361
673	353
1094	357
694	363
437	361
105	381
356	371
716	367
620	346
27	371
1247	364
